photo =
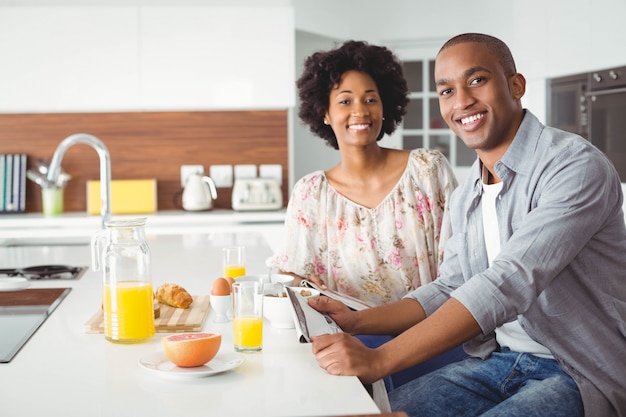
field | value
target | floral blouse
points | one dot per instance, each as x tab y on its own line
374	254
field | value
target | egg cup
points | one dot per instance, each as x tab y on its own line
223	307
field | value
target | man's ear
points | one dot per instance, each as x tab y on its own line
517	85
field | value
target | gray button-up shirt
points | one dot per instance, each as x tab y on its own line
562	265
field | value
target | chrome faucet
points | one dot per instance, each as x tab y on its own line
54	169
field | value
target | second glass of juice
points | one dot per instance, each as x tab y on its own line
248	316
234	261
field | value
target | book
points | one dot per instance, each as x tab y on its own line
309	322
2	181
22	201
8	183
15	191
351	302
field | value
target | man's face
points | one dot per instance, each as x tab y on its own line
478	101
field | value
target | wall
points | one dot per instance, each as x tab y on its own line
161	83
148	145
308	152
547	39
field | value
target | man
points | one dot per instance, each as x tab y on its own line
534	276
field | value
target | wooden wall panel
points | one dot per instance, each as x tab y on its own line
148	145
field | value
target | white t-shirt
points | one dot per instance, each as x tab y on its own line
510	334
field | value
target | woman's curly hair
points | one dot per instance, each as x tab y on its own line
323	70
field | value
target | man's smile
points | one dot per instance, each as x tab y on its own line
471	119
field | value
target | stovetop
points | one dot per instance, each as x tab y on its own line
44	272
22	313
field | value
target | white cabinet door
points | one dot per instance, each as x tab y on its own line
217	58
57	59
73	59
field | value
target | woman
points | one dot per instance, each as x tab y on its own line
373	226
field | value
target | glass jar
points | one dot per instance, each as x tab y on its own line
120	250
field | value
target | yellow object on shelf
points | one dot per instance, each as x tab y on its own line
127	196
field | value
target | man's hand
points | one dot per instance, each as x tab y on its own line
342	354
343	316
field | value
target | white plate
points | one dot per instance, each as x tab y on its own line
222	362
11	284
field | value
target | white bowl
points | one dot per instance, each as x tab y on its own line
286	280
268	281
278	310
251	278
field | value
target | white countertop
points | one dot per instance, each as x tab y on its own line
63	371
76	224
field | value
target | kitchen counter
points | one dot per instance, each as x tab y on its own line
63	371
77	227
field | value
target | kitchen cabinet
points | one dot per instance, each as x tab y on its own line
69	59
217	58
75	59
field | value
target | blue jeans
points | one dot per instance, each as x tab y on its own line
402	377
505	384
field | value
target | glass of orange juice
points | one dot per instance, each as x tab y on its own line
234	261
248	316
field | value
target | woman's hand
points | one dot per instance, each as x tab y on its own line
297	279
315	279
342	354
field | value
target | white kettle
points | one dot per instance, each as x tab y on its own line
199	193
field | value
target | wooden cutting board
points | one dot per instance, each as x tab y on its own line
171	319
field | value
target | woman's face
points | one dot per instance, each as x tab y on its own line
355	110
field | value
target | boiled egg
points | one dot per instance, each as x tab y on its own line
231	281
221	286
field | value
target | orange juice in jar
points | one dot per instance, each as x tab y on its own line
120	250
128	311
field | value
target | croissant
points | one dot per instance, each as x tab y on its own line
173	295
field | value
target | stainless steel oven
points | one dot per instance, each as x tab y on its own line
567	104
606	107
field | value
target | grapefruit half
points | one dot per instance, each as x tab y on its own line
191	349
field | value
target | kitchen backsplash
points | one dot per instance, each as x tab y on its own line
148	145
